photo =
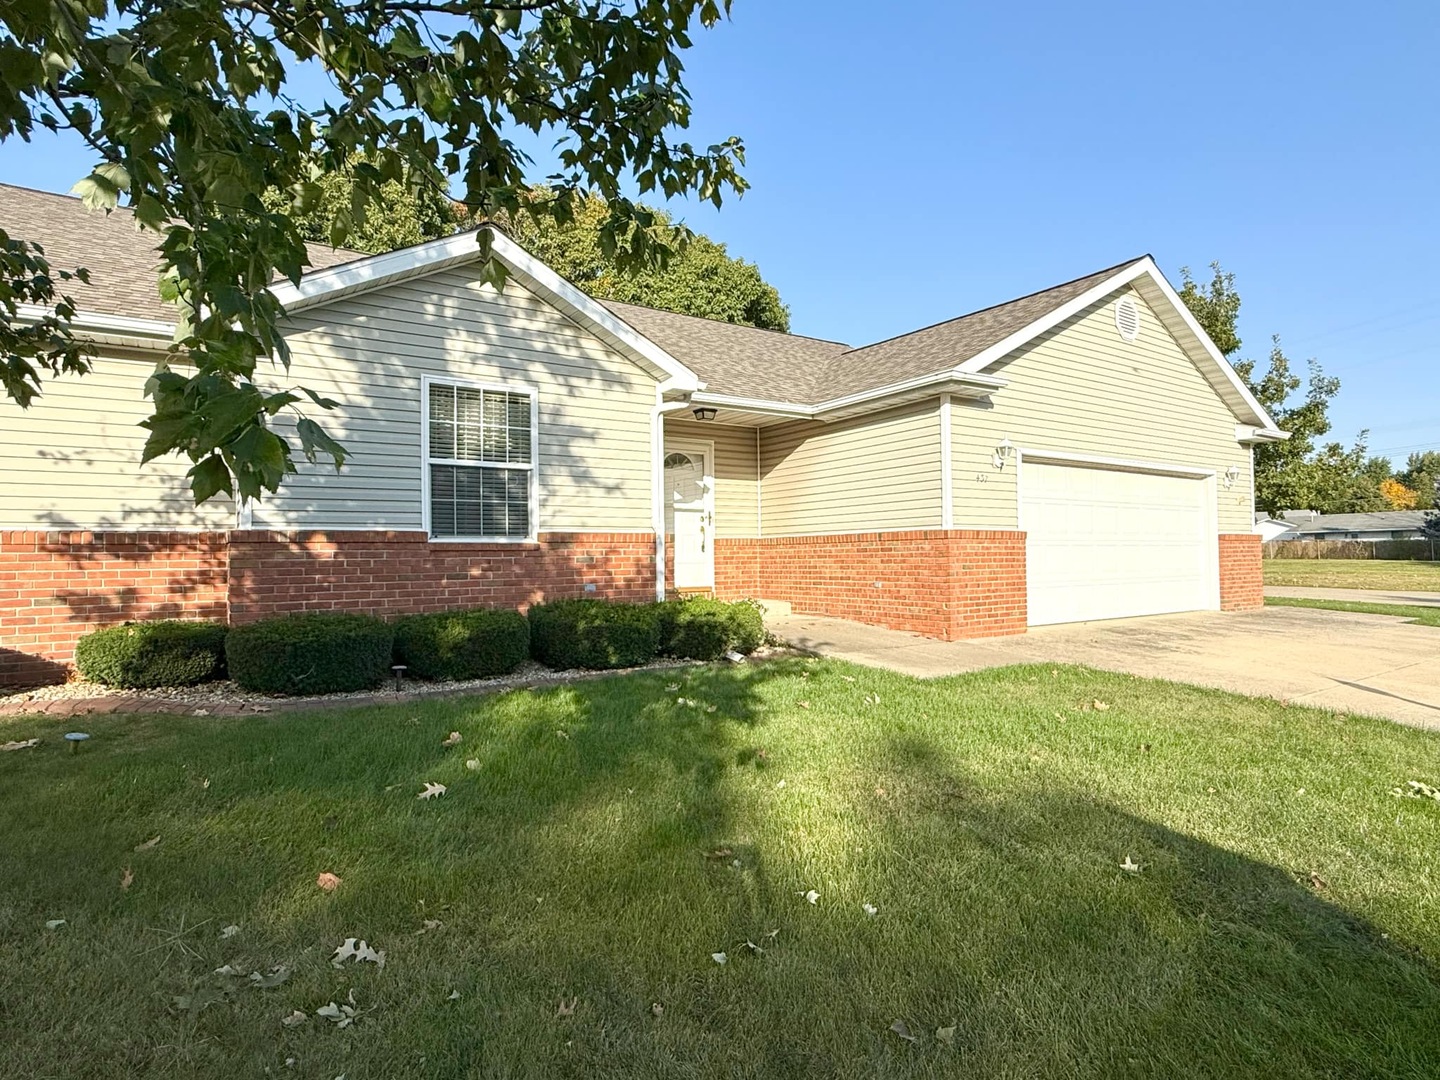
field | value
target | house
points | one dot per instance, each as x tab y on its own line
1381	525
1268	528
1079	453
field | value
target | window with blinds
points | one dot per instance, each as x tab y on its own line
481	462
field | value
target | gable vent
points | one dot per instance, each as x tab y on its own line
1127	318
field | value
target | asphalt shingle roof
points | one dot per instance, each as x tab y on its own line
121	257
1379	520
730	359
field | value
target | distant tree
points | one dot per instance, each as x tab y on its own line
1298	473
699	278
399	212
1397	494
1216	306
1422	475
1430	527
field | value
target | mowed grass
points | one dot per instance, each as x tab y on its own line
1427	616
1354	574
613	838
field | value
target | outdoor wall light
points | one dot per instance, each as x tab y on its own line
1231	475
703	412
1003	453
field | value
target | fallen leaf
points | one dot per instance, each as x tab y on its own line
900	1028
719	957
201	712
342	1016
226	969
229	931
127	878
295	1019
848	678
1144	747
657	1010
872	699
473	764
869	909
428	925
719	854
54	924
561	733
672	687
1099	706
359	951
1318	882
1130	866
454	996
271	979
432	790
328	881
567	1008
21	745
453	739
811	897
946	1035
803	704
148	844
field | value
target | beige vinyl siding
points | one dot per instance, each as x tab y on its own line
875	472
370	351
736	472
72	460
1082	389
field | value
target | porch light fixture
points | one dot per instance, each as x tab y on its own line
1003	453
703	412
1231	475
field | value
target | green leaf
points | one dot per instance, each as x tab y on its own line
209	478
313	439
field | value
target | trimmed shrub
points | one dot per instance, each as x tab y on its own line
699	628
462	644
594	634
139	656
320	652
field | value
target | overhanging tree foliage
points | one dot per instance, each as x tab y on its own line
193	111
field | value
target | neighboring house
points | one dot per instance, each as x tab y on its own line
1079	453
1268	528
1380	525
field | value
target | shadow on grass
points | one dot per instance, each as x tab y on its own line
608	841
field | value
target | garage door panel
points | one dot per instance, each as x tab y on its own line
1110	543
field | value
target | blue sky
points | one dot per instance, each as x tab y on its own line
907	170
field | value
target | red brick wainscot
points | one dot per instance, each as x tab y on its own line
390	573
943	583
1242	579
57	586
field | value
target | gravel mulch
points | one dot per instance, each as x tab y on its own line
80	698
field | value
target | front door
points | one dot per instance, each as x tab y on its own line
690	513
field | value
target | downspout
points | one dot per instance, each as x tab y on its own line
657	481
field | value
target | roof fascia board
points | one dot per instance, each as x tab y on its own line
1248	433
1215	355
1004	347
866	401
378	271
96	322
1145	268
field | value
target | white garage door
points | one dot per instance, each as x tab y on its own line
1107	544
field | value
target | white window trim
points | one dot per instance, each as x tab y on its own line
533	467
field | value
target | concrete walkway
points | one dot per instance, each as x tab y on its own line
1372	664
1363	596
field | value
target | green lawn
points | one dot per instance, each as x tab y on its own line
612	839
1354	573
1427	616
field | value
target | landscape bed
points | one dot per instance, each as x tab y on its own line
1033	871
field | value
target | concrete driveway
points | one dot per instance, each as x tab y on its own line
1372	664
